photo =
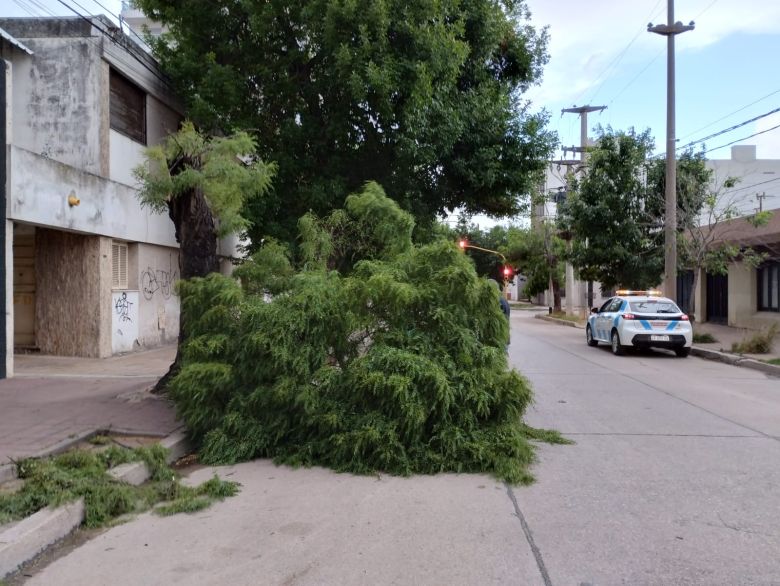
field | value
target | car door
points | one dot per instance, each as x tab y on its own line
608	318
602	321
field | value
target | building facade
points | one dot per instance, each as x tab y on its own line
90	272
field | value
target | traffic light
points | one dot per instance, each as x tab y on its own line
463	243
507	271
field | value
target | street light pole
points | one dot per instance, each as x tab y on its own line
670	29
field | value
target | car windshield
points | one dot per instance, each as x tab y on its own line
654	306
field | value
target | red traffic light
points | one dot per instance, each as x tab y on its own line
462	243
507	272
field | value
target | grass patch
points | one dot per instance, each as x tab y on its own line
759	343
64	478
704	338
775	361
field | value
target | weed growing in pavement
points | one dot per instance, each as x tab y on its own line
759	343
84	474
775	361
704	338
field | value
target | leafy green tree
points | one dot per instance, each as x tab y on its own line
394	362
617	237
539	254
713	231
424	97
203	184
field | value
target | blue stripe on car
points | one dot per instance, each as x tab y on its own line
645	324
672	325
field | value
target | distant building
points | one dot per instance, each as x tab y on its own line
758	185
138	22
746	297
88	271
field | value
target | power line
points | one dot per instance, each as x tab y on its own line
614	63
638	75
711	4
110	37
732	113
741	139
752	185
730	128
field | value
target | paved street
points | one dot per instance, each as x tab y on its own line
674	480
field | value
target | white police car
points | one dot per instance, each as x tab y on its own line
640	319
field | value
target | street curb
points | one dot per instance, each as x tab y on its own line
7	473
736	360
136	473
25	540
561	322
32	535
724	357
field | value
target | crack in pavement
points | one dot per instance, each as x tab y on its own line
529	537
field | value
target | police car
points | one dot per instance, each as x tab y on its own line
640	319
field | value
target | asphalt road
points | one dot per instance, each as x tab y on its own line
674	479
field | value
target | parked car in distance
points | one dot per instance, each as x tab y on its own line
640	319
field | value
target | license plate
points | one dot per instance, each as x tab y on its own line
659	338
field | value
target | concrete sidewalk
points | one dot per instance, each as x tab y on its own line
727	335
55	401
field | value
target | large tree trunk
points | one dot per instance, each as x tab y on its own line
197	237
556	296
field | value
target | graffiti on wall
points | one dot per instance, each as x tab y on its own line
124	321
122	307
162	280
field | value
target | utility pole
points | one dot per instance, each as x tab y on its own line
760	197
583	150
670	30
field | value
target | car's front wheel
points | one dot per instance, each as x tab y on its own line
617	349
682	352
589	336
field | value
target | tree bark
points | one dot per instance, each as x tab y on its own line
556	296
196	234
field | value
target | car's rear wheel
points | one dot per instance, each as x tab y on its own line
682	352
589	337
617	349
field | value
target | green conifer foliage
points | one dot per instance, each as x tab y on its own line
396	364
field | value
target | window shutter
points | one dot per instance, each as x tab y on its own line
127	108
119	265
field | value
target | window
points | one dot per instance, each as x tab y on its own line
654	306
118	265
769	287
127	108
606	304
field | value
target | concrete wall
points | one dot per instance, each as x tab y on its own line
743	296
71	302
156	272
125	155
39	195
57	101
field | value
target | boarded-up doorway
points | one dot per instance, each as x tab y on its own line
24	287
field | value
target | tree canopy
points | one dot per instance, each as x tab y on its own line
423	97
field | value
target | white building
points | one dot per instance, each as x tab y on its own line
758	185
88	271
